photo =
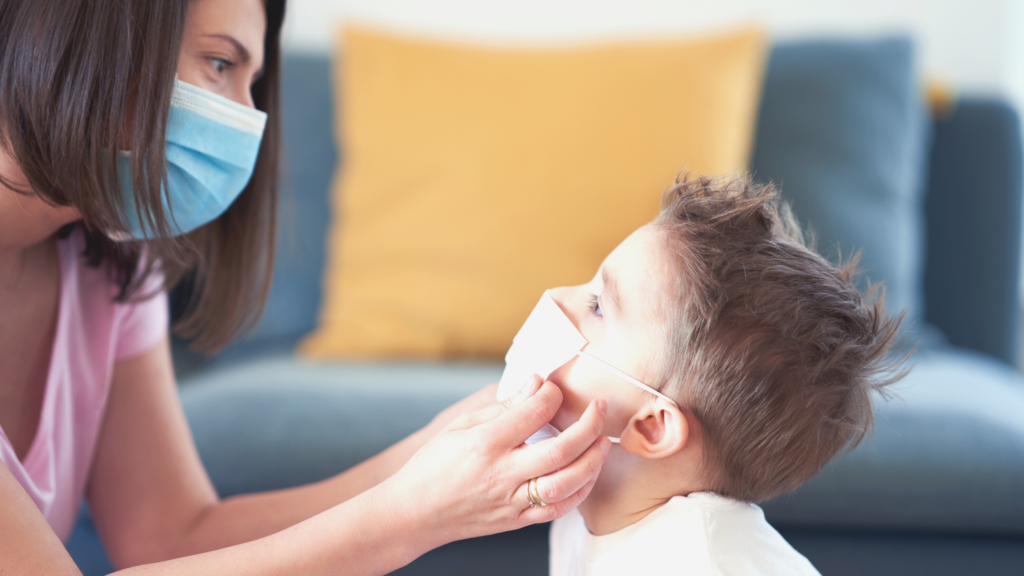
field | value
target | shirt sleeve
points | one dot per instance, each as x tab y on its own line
143	323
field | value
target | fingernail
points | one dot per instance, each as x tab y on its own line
603	407
529	388
606	447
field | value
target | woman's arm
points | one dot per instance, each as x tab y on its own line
27	544
362	536
152	500
469	479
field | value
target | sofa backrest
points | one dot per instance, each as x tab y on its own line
972	218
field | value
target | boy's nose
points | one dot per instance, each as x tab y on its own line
567	300
561	296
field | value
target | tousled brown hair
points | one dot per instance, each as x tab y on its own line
81	80
773	348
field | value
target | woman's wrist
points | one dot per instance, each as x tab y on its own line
414	515
373	533
407	528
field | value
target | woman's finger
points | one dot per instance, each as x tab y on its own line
551	455
562	484
531	515
516	424
442	484
530	387
495	409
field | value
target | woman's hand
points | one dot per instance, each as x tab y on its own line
475	401
471	478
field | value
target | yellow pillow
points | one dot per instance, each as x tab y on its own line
475	177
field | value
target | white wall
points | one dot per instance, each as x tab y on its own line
974	45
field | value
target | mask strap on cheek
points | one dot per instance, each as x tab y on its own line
626	377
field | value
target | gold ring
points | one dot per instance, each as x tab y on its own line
534	495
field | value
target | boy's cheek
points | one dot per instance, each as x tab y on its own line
577	393
569	412
573	404
564	418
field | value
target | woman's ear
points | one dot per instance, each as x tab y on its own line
656	431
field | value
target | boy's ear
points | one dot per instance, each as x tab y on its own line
657	430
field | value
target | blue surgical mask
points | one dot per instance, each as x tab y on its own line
212	144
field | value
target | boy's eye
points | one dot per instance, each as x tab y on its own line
595	306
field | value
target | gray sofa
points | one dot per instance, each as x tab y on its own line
939	487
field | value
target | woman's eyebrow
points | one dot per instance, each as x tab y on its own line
243	54
610	289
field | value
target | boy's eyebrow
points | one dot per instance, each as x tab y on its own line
608	282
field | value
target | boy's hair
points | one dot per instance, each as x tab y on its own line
774	349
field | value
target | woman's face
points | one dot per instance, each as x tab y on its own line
221	51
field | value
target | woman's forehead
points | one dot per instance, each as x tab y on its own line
244	21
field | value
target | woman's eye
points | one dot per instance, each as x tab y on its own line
220	64
595	305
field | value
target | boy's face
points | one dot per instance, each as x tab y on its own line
620	313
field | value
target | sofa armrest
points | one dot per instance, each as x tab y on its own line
973	223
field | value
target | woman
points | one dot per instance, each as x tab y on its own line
139	144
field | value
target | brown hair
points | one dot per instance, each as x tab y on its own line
81	80
772	348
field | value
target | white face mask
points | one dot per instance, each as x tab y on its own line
547	341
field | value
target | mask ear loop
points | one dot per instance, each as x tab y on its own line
625	377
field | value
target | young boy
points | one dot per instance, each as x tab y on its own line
736	363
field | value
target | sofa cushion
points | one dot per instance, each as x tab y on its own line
478	176
842	131
947	455
279	421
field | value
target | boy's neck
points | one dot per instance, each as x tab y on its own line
630	487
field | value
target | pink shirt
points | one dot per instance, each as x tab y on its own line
92	334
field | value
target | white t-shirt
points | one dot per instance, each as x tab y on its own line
697	535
